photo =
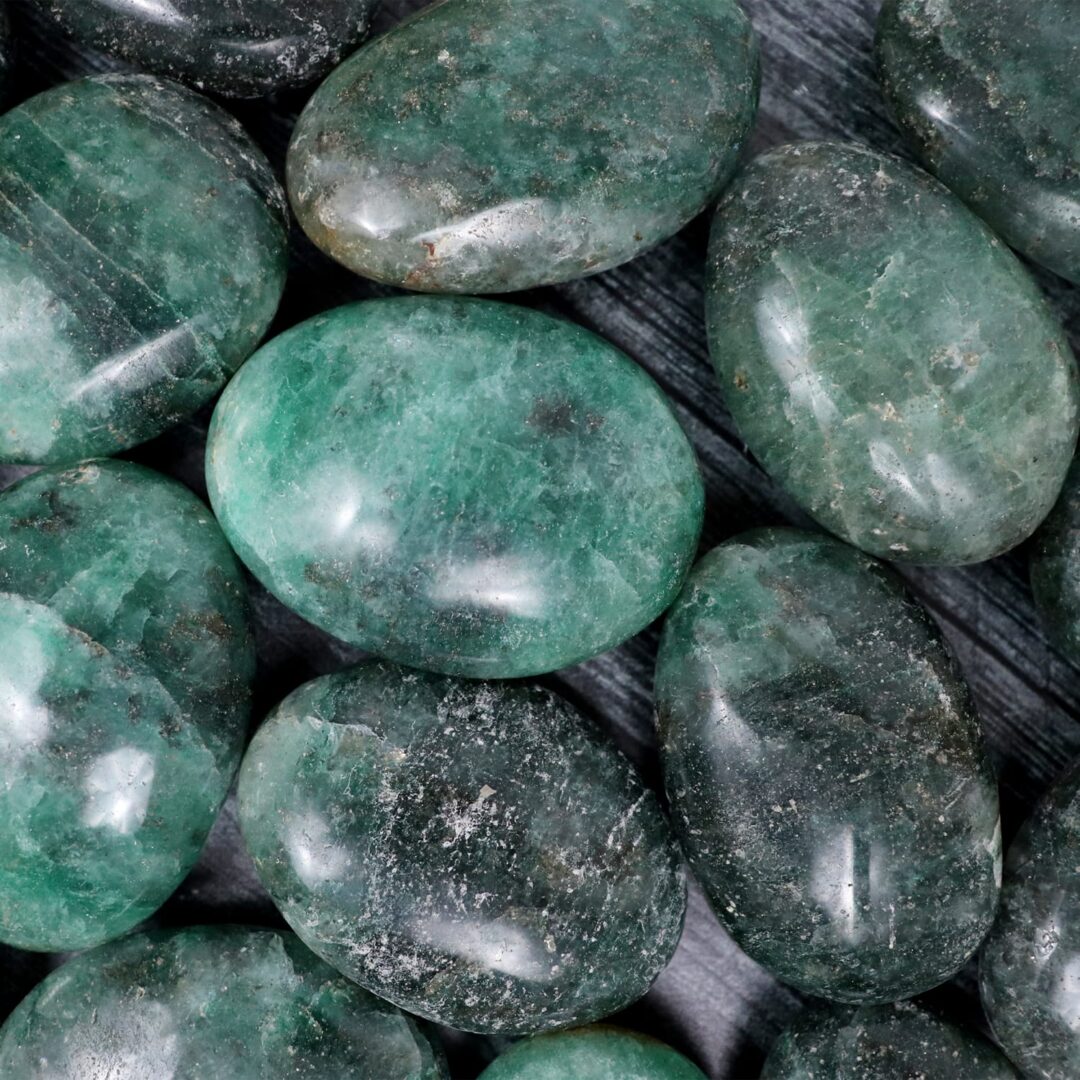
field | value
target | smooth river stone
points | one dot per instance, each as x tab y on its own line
210	1003
1055	568
988	96
825	768
490	145
142	257
886	358
457	485
125	664
474	852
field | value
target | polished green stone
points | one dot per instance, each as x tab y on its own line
886	358
1055	567
210	1003
142	256
458	485
491	145
474	852
125	663
825	768
988	96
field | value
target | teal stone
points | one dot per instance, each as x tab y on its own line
473	852
825	769
1055	567
125	665
988	97
142	257
886	358
210	1003
489	145
457	485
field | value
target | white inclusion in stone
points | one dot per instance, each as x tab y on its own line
312	856
24	718
502	583
117	790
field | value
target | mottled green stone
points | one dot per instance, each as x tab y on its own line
474	852
825	768
142	257
492	145
886	358
988	96
1055	567
458	485
210	1003
125	663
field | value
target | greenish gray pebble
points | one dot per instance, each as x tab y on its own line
1055	567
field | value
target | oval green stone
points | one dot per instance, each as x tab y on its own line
825	768
142	257
458	485
125	663
492	145
1055	567
210	1003
474	852
886	358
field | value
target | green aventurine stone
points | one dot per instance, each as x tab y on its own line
142	257
1055	567
210	1003
491	145
825	768
988	95
125	663
474	852
886	358
458	485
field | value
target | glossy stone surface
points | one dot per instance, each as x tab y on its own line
1055	567
491	145
474	852
987	94
142	256
210	1003
125	663
885	357
245	48
458	485
825	768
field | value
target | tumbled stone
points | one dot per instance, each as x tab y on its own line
458	485
474	852
125	663
825	768
491	145
1055	567
987	94
142	256
210	1003
886	358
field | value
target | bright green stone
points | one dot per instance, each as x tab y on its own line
1055	567
458	485
474	852
210	1003
825	768
142	257
125	663
492	145
886	358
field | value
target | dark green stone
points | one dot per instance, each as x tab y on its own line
125	663
458	485
210	1003
988	96
825	768
886	358
492	145
142	256
1055	567
474	852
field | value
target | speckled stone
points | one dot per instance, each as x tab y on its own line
125	663
988	96
142	257
210	1003
882	1042
886	358
491	145
458	485
1055	567
244	48
825	768
474	852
